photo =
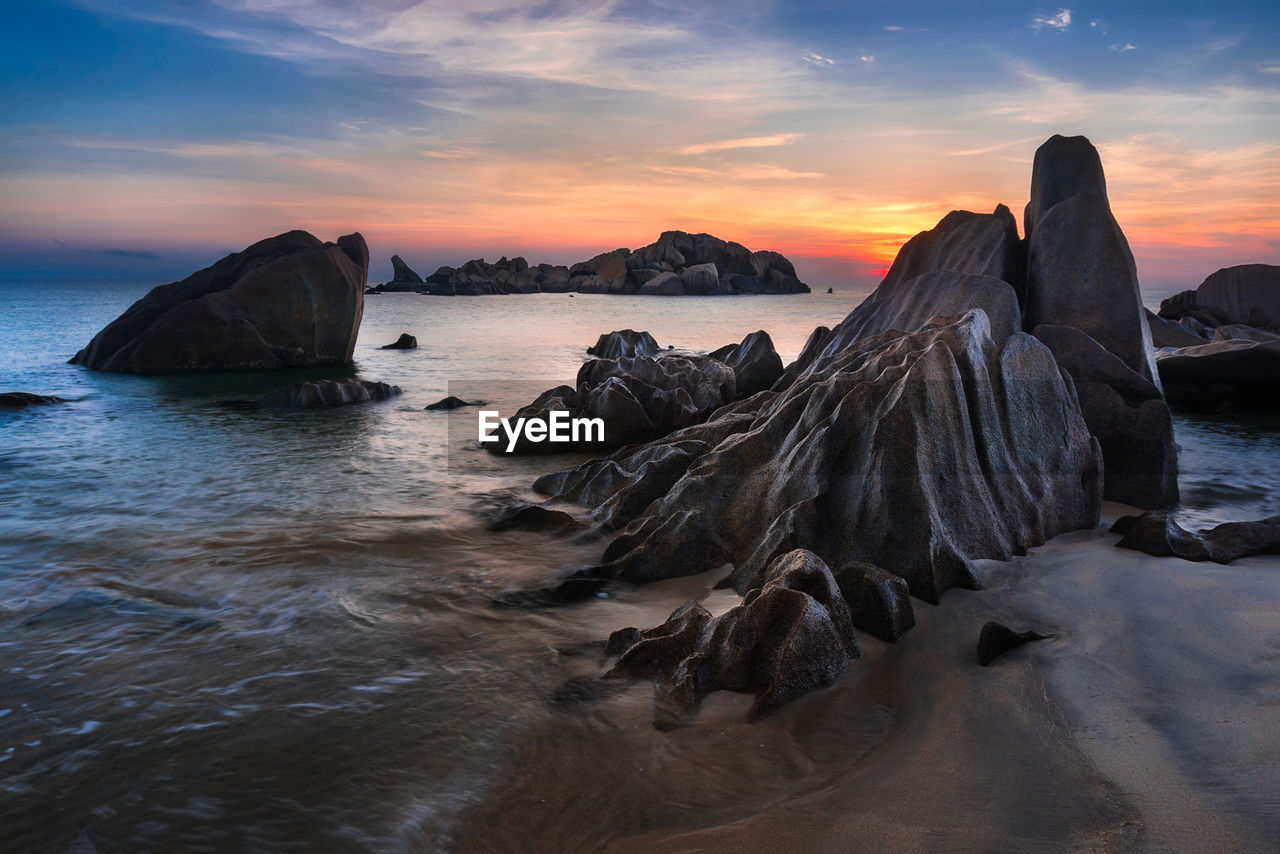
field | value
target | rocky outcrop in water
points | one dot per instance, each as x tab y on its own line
23	399
676	264
790	636
403	278
287	301
450	403
313	394
404	342
624	342
1247	294
1156	533
1221	373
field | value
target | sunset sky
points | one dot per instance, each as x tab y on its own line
147	138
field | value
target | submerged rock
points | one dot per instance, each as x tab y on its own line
790	636
1156	533
450	403
287	301
23	399
311	394
996	639
404	342
1127	414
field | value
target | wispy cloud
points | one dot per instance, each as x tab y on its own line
1123	48
817	59
1059	22
745	142
1099	25
1217	46
894	28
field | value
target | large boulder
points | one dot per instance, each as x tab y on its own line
1126	412
287	301
915	452
756	365
401	272
1217	374
1080	270
981	244
1248	294
1167	333
879	601
790	636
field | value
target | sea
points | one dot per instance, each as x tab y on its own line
225	628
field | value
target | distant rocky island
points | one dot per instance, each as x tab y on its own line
676	264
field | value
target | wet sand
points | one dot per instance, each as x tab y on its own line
1146	723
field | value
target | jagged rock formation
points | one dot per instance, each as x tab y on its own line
313	394
624	342
676	264
756	365
287	301
790	636
403	278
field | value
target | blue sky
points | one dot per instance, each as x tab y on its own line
145	138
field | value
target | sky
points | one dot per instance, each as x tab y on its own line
142	138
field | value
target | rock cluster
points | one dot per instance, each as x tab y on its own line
1221	342
676	264
1157	533
288	301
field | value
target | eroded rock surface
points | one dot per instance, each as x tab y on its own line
1156	533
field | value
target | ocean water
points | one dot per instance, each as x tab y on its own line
224	628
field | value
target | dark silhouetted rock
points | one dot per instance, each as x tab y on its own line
287	301
311	394
23	399
400	272
624	342
791	636
1248	294
1080	270
996	639
1128	415
1168	333
1156	533
980	244
1220	373
531	517
879	601
756	365
452	402
404	342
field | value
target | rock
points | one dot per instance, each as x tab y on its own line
404	342
1167	333
531	517
450	403
879	601
311	394
663	285
624	342
287	301
979	244
1080	270
917	452
756	365
831	290
791	636
1128	415
23	399
1220	373
1247	294
700	280
1156	533
996	639
1240	332
907	305
400	272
